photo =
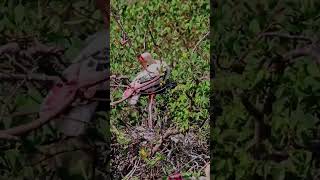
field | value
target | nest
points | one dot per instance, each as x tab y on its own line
149	154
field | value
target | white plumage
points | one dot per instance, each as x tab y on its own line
149	80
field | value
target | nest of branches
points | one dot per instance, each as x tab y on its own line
148	154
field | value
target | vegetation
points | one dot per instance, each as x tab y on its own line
266	90
58	24
176	27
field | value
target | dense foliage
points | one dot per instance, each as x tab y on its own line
179	28
176	27
266	90
63	24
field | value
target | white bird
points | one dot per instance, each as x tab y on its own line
149	81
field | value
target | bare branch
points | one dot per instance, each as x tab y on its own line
284	35
167	134
34	76
198	43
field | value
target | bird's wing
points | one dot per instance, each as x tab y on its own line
159	77
147	81
148	74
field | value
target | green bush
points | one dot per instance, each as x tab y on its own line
268	125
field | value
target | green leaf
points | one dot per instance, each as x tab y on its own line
254	26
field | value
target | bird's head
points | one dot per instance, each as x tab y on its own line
145	59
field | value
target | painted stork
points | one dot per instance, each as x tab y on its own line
150	80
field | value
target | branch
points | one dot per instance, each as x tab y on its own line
50	156
167	134
119	101
9	48
259	126
34	76
284	35
23	129
37	48
311	50
8	137
196	46
258	115
117	19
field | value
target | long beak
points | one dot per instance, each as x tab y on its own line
142	61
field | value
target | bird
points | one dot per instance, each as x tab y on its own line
152	79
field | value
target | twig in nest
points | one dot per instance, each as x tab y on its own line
198	43
167	134
129	175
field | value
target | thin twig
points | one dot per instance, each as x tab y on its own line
33	76
198	43
284	35
167	134
118	21
56	154
129	175
23	113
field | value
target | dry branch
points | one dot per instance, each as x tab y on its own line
166	135
36	48
33	76
312	51
198	43
284	35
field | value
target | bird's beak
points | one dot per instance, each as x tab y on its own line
142	61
